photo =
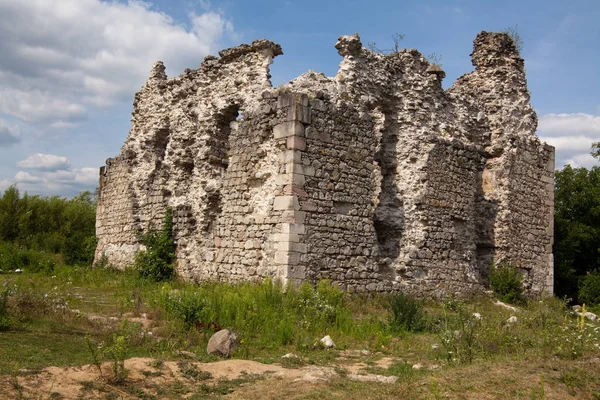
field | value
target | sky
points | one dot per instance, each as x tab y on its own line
69	69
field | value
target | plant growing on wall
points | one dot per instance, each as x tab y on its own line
156	261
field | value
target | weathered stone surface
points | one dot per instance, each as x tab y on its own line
377	179
327	342
222	343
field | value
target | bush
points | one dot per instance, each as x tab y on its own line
507	283
406	313
589	288
156	262
13	256
4	315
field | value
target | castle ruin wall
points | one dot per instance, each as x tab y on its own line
377	179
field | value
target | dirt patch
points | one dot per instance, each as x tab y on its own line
152	375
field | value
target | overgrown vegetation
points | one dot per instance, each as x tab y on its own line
38	233
577	231
405	313
589	288
156	260
51	316
513	32
507	283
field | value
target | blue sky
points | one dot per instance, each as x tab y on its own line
69	68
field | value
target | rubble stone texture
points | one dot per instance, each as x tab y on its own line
377	179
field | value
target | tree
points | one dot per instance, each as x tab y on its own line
576	226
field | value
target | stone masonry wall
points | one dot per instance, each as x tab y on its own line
377	179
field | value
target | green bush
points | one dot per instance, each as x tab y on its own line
507	284
13	256
406	313
589	288
156	261
4	315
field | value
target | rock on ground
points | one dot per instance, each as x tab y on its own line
222	343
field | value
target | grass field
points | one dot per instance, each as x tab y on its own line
100	333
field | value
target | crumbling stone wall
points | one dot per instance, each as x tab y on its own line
377	179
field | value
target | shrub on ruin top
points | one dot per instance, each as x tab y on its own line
156	262
507	283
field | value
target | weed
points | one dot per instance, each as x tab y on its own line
156	261
405	313
507	284
118	352
95	353
14	381
292	362
458	331
4	314
513	32
190	371
539	393
136	299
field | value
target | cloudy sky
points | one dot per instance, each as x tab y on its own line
69	68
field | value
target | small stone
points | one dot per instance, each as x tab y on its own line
289	355
222	343
417	366
576	308
327	342
591	316
512	319
477	315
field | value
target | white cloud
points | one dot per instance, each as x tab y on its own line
567	124
61	57
572	135
26	177
52	175
9	135
46	162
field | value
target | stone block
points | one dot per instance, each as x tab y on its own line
296	272
287	258
292	247
290	156
299	229
286	203
288	129
296	143
293	217
286	237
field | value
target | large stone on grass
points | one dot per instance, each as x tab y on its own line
222	343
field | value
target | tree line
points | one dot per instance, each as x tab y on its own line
577	232
38	232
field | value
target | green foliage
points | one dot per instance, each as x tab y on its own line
156	261
117	353
459	332
4	315
589	288
507	283
294	316
35	230
405	313
576	227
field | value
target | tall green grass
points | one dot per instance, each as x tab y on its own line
267	315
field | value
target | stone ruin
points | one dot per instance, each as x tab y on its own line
377	179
